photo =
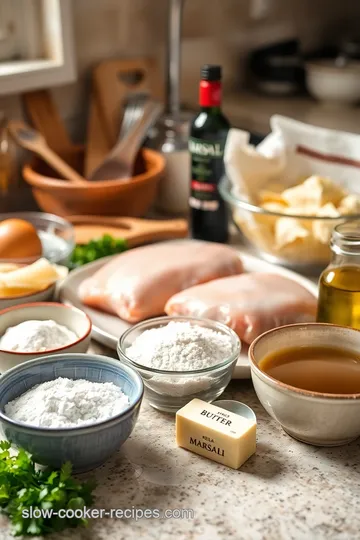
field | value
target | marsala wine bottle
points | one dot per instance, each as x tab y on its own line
209	129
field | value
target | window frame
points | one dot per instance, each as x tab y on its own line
59	65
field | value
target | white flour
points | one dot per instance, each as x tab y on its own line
64	403
180	346
36	336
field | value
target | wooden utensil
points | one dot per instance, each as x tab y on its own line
97	146
135	231
32	140
114	80
45	117
120	162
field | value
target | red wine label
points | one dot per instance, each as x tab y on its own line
201	186
205	149
206	170
210	94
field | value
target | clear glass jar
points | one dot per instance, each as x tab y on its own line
171	137
339	285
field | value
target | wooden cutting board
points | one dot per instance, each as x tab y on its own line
136	231
114	80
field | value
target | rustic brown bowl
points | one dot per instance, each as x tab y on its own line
131	197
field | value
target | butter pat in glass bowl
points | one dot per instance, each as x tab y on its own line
170	390
72	318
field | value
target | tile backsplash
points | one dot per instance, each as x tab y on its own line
213	31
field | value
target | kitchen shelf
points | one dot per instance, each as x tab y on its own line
252	112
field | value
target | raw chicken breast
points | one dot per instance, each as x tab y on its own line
137	284
250	304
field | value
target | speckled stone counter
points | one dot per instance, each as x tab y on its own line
286	491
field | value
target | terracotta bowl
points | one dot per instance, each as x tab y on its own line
131	197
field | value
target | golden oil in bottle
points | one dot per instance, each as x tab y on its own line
339	296
339	285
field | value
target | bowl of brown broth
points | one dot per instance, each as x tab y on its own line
307	377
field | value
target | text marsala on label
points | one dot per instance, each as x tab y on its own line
201	148
207	446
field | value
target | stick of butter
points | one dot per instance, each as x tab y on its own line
215	433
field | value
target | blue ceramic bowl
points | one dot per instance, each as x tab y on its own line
86	446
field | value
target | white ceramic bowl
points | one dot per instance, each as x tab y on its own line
311	417
74	319
330	83
41	296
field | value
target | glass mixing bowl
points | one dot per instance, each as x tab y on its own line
56	235
170	390
257	226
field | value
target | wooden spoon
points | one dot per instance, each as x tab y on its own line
32	140
135	231
45	118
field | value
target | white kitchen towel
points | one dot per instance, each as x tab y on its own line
292	152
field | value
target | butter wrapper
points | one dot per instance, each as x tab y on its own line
215	433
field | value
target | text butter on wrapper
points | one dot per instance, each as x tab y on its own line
215	433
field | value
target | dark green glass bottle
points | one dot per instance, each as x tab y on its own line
209	129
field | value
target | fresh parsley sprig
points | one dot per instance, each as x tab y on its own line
23	486
96	249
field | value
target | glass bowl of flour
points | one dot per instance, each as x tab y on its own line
180	358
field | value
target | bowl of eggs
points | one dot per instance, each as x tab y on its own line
34	248
27	236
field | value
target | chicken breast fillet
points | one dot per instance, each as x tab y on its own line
137	284
250	303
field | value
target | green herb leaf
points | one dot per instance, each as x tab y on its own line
24	488
96	249
65	471
5	445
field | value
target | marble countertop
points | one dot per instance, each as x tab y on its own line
286	491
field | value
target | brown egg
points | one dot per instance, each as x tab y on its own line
19	240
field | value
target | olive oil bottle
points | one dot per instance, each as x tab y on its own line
339	286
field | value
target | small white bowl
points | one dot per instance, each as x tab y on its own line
74	319
45	295
330	83
311	417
